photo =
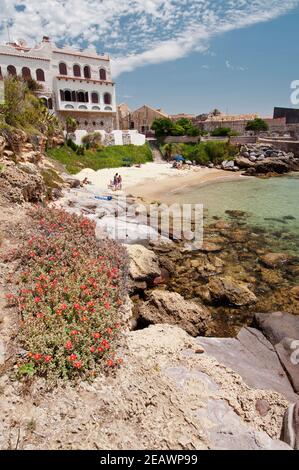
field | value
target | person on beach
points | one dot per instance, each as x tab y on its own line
119	182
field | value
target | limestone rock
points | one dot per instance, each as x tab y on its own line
172	308
228	290
273	260
253	357
144	265
282	330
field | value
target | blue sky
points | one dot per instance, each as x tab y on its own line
182	55
247	70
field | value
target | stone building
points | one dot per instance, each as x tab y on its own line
74	82
141	119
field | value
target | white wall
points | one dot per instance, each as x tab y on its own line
136	138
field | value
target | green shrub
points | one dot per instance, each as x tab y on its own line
221	132
108	157
70	290
70	143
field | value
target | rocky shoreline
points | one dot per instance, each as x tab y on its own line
261	159
202	368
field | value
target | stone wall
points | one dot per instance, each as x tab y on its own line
284	145
181	139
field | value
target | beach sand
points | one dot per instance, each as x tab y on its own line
155	181
167	189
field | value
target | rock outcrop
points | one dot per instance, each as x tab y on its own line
282	330
259	159
227	290
172	308
144	265
167	396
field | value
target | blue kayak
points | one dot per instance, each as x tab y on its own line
104	198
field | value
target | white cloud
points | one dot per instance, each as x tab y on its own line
136	32
230	66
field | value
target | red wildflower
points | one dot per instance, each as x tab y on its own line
72	357
37	300
100	349
92	349
47	358
110	363
78	365
63	307
77	307
37	356
107	305
68	345
96	335
74	332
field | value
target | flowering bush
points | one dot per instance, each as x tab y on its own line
70	290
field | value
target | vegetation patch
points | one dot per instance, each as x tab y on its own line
107	157
70	291
202	153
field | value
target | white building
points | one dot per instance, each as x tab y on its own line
75	83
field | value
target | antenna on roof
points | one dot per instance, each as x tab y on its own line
7	29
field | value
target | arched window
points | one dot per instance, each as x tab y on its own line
96	108
11	70
67	95
1	74
50	103
94	97
108	108
62	95
74	96
82	106
62	68
69	106
107	98
87	71
77	70
26	73
40	75
103	74
81	96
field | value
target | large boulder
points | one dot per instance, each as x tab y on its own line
253	357
272	165
229	291
144	265
282	330
274	260
172	308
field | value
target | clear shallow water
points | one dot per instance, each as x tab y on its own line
272	204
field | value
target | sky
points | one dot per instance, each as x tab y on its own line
179	55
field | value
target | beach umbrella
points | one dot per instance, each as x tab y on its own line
179	158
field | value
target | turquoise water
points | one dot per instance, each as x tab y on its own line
272	204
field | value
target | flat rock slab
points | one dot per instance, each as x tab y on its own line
278	325
254	358
224	429
282	330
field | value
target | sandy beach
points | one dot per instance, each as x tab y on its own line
155	181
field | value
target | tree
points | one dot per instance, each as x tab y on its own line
71	126
93	140
257	125
162	127
216	112
221	132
